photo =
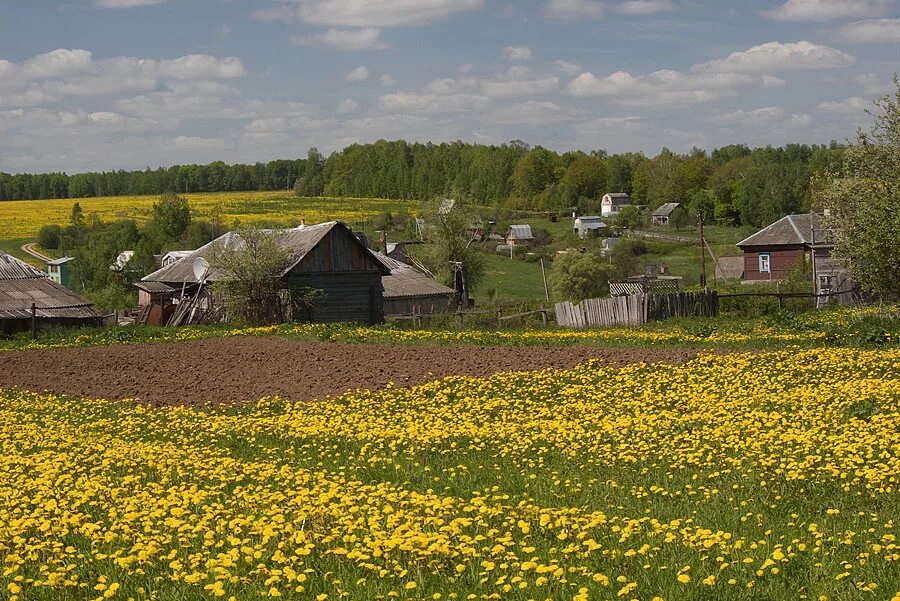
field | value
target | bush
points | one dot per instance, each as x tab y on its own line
576	276
50	236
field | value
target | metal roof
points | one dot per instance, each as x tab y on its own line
60	260
618	195
298	241
792	230
153	287
405	281
12	268
666	209
520	232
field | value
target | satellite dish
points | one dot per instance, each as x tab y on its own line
201	269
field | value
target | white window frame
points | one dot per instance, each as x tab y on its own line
765	266
826	282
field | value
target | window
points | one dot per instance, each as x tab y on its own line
764	266
825	283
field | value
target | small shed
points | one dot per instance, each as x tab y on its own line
663	213
612	203
23	286
519	235
589	226
407	290
60	271
397	251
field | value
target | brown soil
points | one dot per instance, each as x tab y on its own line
238	369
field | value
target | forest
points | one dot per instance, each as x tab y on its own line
732	185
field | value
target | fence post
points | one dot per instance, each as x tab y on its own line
459	319
499	318
544	316
33	321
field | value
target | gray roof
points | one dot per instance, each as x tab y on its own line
60	260
591	222
618	195
21	285
405	281
666	209
520	232
298	241
792	230
729	267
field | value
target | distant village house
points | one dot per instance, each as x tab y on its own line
613	202
589	226
60	271
662	214
519	235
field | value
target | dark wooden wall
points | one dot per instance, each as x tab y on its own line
416	304
349	296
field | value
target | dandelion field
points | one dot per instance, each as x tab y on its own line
745	476
23	218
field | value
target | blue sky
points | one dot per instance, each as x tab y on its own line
104	84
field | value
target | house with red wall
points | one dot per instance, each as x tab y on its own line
773	252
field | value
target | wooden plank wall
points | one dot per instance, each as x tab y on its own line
636	309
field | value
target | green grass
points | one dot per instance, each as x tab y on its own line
511	279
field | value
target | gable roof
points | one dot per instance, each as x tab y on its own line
792	230
618	195
666	209
406	281
520	232
298	241
21	285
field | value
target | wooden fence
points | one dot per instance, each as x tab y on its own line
636	309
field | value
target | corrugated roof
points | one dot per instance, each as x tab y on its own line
405	281
791	230
12	268
60	260
666	209
298	241
520	232
21	285
153	287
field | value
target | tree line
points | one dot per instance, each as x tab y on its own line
732	185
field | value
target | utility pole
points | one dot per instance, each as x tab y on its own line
702	256
544	275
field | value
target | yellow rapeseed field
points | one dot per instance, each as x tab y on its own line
746	476
23	218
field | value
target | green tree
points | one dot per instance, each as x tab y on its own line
77	217
534	172
630	218
862	203
450	243
576	276
585	177
170	216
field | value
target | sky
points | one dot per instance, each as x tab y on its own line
128	84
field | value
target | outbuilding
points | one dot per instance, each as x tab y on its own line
28	293
519	235
662	214
589	226
407	290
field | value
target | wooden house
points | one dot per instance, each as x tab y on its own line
26	293
325	257
519	235
613	202
662	214
773	252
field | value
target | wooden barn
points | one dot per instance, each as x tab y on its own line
27	293
407	290
325	257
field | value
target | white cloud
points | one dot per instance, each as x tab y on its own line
873	85
518	81
347	106
344	39
56	63
854	105
644	7
405	102
387	81
517	53
770	116
775	57
826	10
283	13
381	13
125	3
574	9
533	113
567	67
873	31
197	142
666	87
358	74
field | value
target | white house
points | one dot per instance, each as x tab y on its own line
612	203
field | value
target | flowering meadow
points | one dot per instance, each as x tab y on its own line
746	476
23	218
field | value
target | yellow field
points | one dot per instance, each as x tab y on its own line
756	476
23	218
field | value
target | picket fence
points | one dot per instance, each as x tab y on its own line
636	309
